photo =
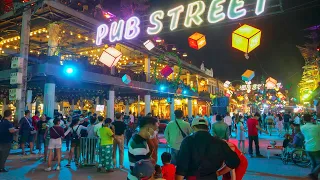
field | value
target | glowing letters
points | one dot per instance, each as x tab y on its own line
261	4
102	32
154	20
116	31
194	16
132	28
175	14
233	10
216	13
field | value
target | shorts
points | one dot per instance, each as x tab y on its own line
26	138
75	143
55	143
46	141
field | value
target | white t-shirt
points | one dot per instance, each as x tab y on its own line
50	123
228	120
296	120
131	118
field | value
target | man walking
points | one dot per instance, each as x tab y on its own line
228	121
253	127
26	132
311	133
118	142
175	132
286	120
220	129
6	136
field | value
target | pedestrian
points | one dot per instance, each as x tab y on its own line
241	137
90	127
279	124
220	129
106	143
98	126
55	142
270	123
75	130
35	120
297	119
67	136
228	121
6	137
42	128
138	148
144	170
118	143
27	132
311	134
253	127
286	120
168	169
199	157
175	132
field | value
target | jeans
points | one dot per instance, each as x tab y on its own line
67	141
315	162
174	154
40	141
118	142
256	142
4	153
286	126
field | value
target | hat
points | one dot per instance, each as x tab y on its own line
143	169
199	121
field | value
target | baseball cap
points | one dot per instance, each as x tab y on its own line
143	169
199	121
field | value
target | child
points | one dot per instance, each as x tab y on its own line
237	173
168	170
106	146
158	173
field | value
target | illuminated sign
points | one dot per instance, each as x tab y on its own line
193	14
255	87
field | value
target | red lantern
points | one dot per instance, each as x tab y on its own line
197	41
166	71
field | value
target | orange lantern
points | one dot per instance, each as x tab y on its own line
271	83
246	38
248	75
197	41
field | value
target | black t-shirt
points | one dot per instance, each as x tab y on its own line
42	126
119	127
85	123
286	118
5	135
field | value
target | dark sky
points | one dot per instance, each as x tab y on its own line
277	56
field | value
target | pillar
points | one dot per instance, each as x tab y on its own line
172	116
49	97
4	105
113	70
147	67
105	107
72	105
61	108
37	105
111	105
188	79
53	41
56	106
189	107
147	101
97	102
81	103
138	106
127	108
29	100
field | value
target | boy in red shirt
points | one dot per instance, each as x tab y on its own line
168	170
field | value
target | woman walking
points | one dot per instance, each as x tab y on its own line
279	124
241	137
106	146
55	142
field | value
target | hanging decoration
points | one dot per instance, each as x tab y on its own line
166	71
197	41
110	56
271	83
248	75
149	45
126	79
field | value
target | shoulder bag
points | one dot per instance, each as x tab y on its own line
33	131
182	133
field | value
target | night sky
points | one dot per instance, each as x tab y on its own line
277	56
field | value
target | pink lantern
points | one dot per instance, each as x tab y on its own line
166	71
110	56
126	79
271	83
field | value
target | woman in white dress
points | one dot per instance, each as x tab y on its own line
241	137
279	124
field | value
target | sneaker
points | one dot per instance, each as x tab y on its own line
68	165
3	170
260	156
48	169
58	168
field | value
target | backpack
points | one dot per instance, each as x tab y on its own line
74	135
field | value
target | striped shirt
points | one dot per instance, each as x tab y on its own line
138	150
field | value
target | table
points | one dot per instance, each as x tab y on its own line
273	148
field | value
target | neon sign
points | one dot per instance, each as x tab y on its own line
192	16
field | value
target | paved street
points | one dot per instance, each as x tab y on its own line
259	168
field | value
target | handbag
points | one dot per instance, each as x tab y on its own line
33	131
182	133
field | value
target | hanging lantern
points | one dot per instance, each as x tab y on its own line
197	41
246	38
179	91
226	84
248	75
149	45
110	56
166	71
126	79
271	83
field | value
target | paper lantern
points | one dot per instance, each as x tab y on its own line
166	71
271	83
149	45
126	79
179	91
197	41
246	38
110	56
226	84
248	75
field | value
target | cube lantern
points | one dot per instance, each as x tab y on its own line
197	41
248	75
271	83
246	38
149	45
166	71
226	84
110	56
126	79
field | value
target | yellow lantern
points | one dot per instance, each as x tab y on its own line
246	38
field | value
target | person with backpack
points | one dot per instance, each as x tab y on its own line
175	132
201	155
75	130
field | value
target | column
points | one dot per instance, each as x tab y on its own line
4	105
127	108
97	102
111	105
29	100
61	107
172	116
113	70
72	105
49	97
56	106
81	103
189	107
138	106
147	101
37	105
188	79
53	41
105	107
147	67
